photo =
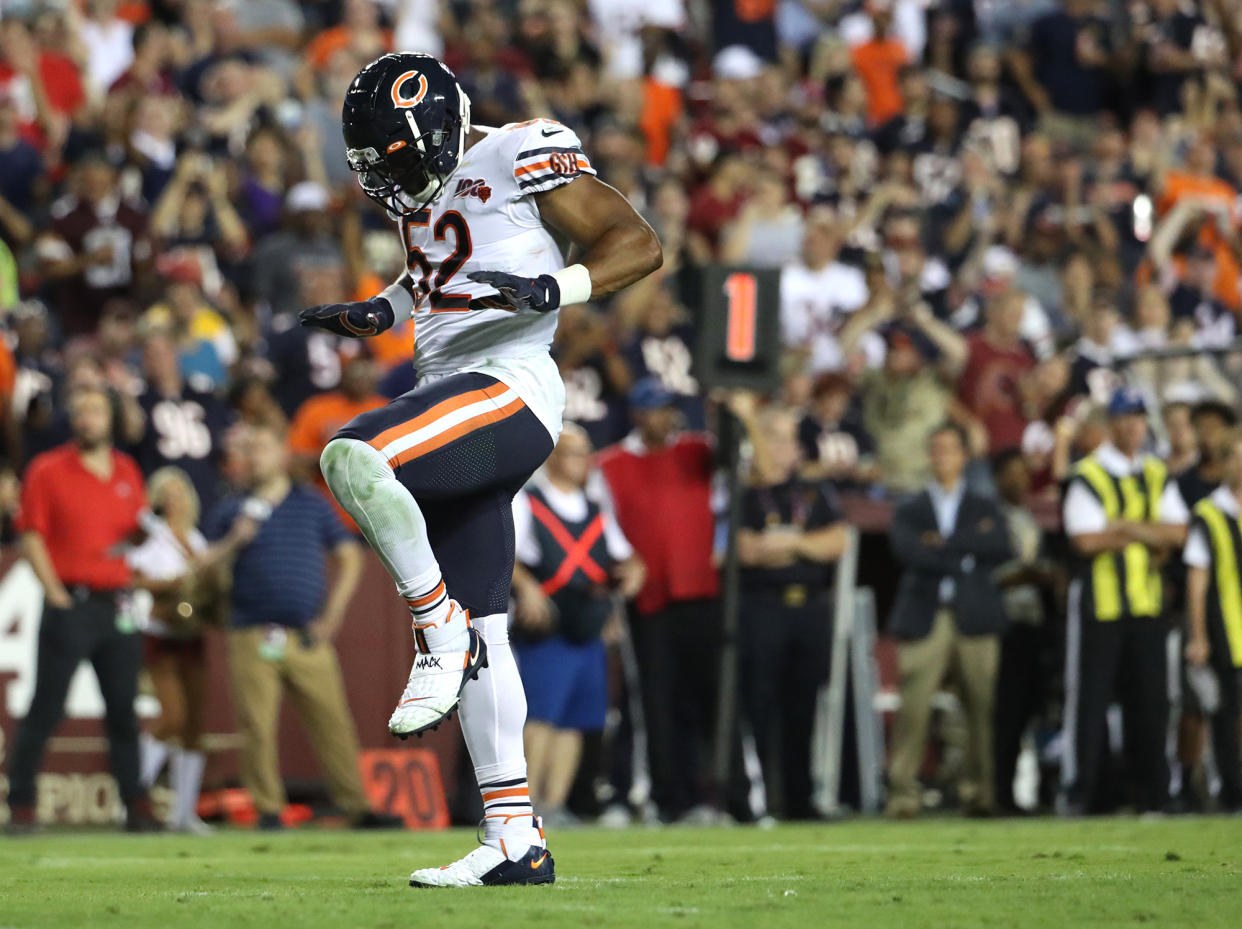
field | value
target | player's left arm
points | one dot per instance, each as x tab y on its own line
616	244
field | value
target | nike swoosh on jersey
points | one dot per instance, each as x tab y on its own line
547	132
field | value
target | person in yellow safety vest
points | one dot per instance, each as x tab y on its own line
1214	607
1123	516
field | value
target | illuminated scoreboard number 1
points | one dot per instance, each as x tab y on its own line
741	291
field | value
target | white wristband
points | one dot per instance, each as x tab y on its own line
575	284
401	302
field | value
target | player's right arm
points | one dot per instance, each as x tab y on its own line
393	305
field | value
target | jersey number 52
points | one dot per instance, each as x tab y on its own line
417	263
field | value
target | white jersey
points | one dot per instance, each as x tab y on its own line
486	219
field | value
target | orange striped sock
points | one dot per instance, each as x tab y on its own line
508	819
429	604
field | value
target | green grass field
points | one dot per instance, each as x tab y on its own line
934	873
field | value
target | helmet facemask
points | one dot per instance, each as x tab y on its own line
411	174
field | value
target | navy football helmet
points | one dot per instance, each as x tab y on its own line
405	121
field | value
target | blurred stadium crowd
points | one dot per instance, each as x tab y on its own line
990	214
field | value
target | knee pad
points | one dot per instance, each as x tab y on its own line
350	466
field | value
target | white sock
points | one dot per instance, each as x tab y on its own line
152	753
493	712
390	518
187	779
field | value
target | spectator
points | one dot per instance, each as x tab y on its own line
835	445
1103	341
45	84
902	403
1194	298
80	502
282	260
359	30
565	612
205	343
96	247
1120	514
791	531
110	40
677	621
993	384
150	72
178	595
318	419
767	231
194	211
662	347
879	61
718	201
1063	69
21	168
1026	646
283	619
1198	210
183	427
818	292
596	377
948	614
1180	433
1209	420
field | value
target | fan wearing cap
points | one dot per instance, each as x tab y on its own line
1123	515
660	480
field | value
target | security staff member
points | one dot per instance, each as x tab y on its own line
570	556
789	534
1122	515
1210	420
1214	606
80	503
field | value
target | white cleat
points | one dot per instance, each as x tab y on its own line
488	867
434	689
192	826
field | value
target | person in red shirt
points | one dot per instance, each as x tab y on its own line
45	84
998	363
80	503
718	201
660	482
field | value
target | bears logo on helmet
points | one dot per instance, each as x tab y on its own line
400	99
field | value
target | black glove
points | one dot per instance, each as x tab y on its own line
541	294
352	320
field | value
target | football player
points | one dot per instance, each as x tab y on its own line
430	478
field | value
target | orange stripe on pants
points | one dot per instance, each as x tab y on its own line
456	432
443	408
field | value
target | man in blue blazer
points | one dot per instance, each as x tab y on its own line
947	617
